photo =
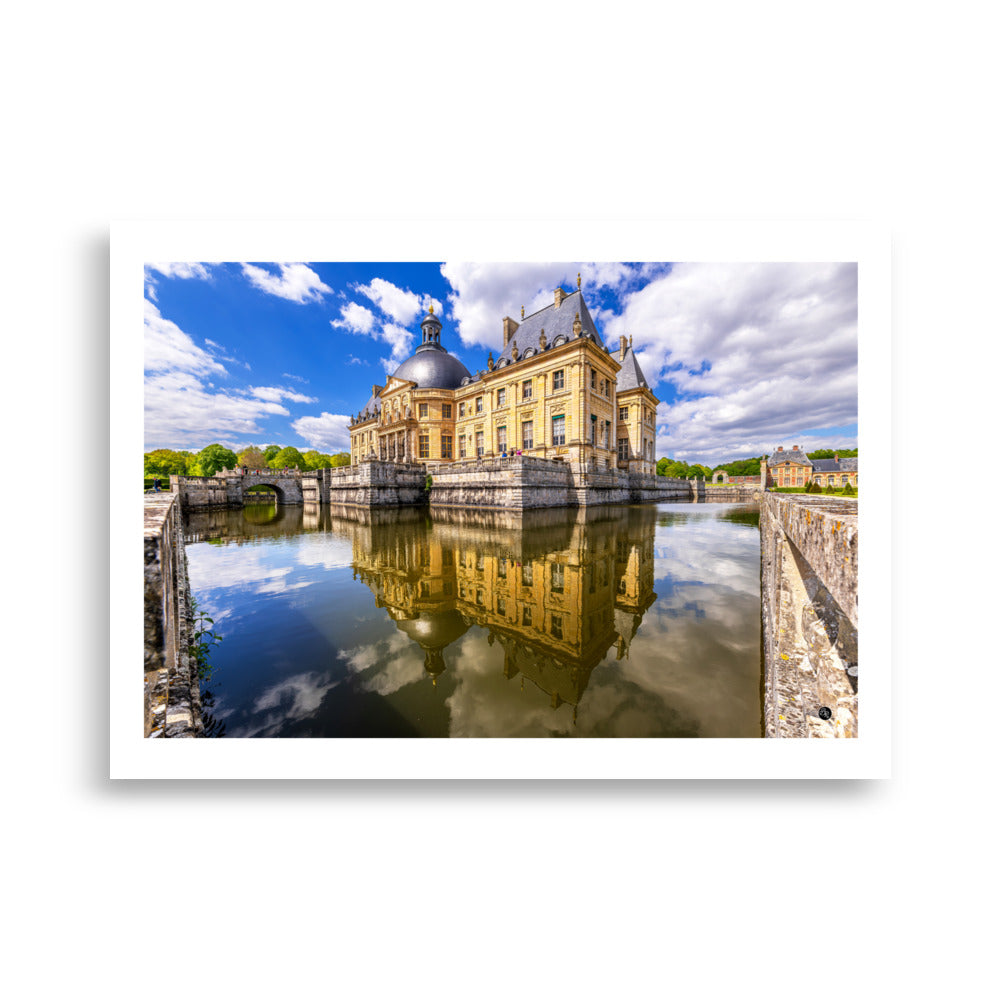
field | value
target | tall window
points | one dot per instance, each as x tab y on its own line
526	389
423	409
623	449
446	411
502	569
526	615
593	433
461	409
593	379
461	446
501	397
557	578
479	404
527	435
527	574
558	380
501	439
623	413
479	444
557	627
425	446
446	446
502	606
559	430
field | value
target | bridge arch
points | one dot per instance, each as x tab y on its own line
274	484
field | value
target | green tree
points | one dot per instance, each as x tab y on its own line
164	462
830	452
215	457
289	456
270	451
252	458
339	459
316	460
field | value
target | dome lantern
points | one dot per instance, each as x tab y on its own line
431	327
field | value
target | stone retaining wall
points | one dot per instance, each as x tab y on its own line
171	692
369	484
519	483
809	611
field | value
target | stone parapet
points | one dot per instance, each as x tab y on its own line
809	611
171	691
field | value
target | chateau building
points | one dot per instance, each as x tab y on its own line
554	391
795	468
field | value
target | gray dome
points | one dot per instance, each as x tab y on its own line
432	367
434	630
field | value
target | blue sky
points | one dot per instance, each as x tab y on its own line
743	357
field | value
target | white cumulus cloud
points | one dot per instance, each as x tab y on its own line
755	352
400	304
329	432
275	394
296	282
355	317
168	348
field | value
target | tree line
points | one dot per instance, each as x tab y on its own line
741	467
215	457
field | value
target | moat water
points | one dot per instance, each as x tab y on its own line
617	621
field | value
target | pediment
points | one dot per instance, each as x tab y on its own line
396	383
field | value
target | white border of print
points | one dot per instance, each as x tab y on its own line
132	244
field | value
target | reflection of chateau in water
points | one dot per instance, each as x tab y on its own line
556	588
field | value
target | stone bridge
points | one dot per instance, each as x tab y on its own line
231	488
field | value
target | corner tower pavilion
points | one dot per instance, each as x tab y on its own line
555	391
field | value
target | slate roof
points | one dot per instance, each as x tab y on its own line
832	465
631	376
372	408
790	455
556	322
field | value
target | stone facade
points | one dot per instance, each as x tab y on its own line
552	393
171	692
809	611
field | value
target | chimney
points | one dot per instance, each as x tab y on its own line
781	447
509	329
560	295
623	349
796	448
836	458
376	389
